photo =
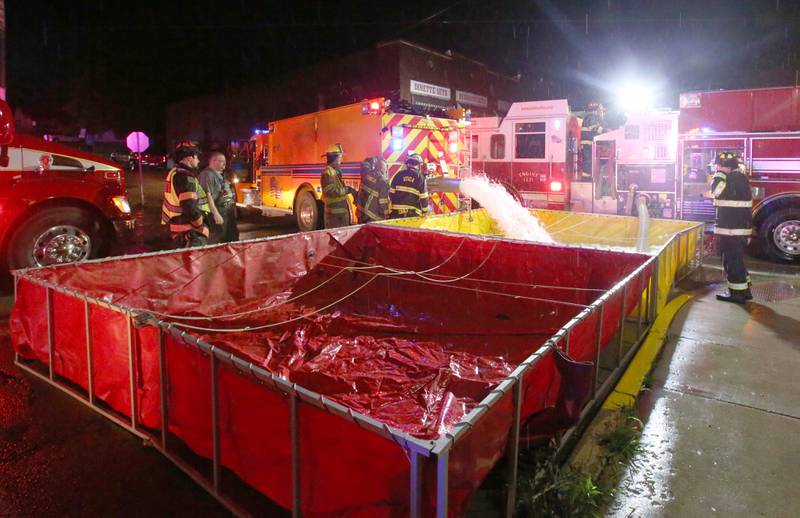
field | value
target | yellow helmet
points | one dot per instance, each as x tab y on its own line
334	149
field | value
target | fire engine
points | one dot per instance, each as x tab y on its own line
532	151
57	204
667	156
288	155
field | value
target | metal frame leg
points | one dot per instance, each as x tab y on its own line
89	366
51	346
214	424
163	381
597	343
513	451
131	369
294	429
442	483
622	315
415	490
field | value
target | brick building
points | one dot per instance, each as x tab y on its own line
399	70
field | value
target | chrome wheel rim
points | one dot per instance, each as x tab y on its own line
61	244
307	214
787	237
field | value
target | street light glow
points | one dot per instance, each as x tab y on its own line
635	97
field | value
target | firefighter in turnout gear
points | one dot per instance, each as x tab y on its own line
733	199
372	202
409	190
185	208
334	190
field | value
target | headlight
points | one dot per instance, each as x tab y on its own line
121	202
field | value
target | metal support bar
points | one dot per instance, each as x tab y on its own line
597	345
415	491
215	455
294	429
513	451
639	304
131	370
442	483
51	354
566	341
620	345
89	366
163	380
647	286
654	291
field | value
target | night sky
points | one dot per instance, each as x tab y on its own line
117	64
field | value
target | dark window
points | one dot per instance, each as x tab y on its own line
530	145
498	146
65	161
530	139
631	132
475	153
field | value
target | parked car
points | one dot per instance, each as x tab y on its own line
154	161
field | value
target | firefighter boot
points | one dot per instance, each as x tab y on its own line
735	296
747	294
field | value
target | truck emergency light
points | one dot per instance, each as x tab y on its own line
374	107
397	144
556	186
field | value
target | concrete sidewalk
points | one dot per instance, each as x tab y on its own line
722	419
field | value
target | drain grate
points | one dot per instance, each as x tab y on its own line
775	291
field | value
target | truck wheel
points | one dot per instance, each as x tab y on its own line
307	212
54	236
780	234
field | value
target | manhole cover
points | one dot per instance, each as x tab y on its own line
775	291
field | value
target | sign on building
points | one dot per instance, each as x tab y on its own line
429	90
471	99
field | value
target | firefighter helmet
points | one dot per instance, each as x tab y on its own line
185	149
334	149
727	159
414	158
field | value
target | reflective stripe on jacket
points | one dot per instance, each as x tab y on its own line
373	196
185	202
334	191
409	192
733	198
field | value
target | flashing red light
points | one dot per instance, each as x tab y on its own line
556	186
374	106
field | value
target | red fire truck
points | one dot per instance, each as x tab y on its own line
532	151
57	204
667	155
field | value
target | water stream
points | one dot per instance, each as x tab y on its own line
514	220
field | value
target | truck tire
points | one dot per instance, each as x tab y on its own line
780	235
54	235
307	212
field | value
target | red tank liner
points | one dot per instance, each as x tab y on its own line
413	352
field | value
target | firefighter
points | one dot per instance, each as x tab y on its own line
733	199
372	201
334	190
185	208
409	190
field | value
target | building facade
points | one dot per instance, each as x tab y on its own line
407	74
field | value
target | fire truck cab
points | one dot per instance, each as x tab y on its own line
532	151
669	157
638	159
57	204
289	156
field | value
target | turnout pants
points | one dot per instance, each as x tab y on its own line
336	219
732	250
